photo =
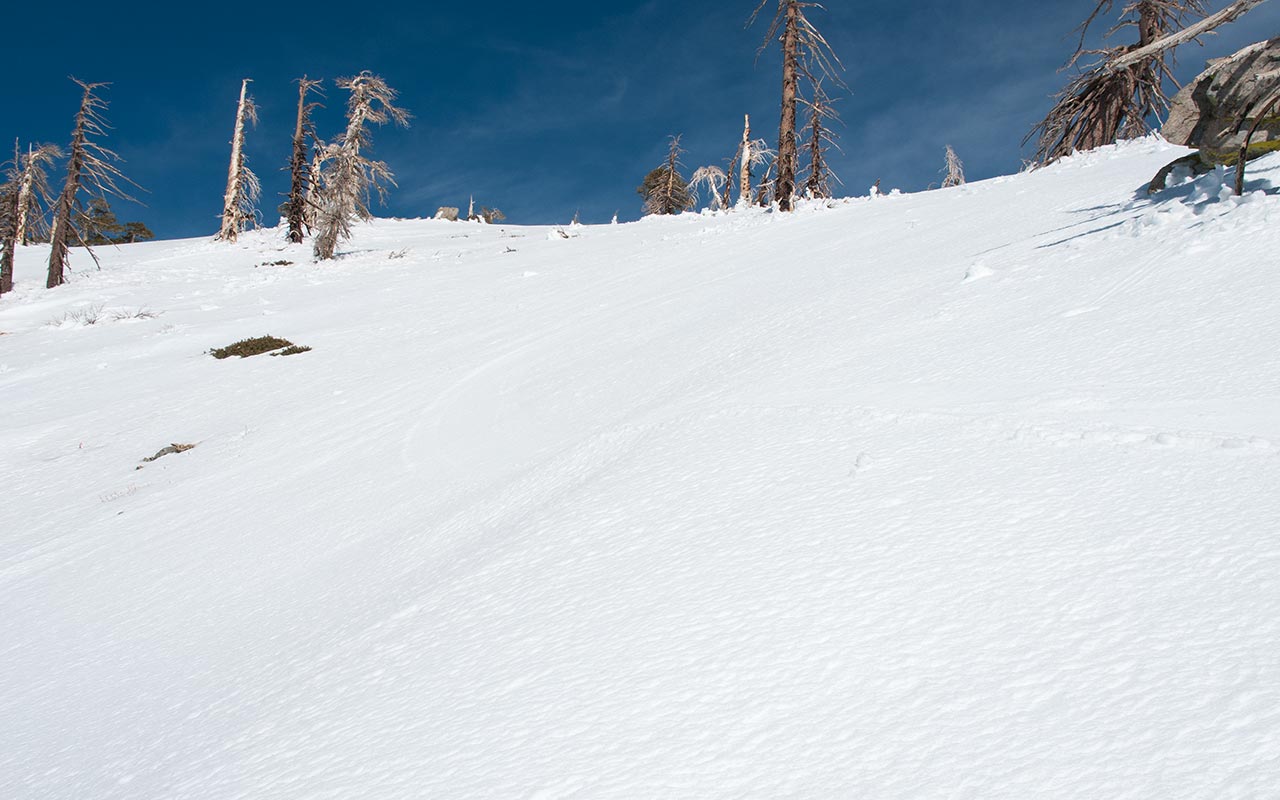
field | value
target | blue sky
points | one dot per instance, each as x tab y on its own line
541	109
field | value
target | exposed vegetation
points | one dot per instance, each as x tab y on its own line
256	347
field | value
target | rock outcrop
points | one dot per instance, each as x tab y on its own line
1215	111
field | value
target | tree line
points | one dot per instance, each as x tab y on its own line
1118	91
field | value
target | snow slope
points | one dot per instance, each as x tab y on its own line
965	494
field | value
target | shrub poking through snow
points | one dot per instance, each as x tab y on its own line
255	347
293	350
170	450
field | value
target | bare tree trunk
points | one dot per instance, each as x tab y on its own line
744	178
9	244
311	208
60	233
298	168
21	223
1229	14
788	150
302	176
231	201
1244	148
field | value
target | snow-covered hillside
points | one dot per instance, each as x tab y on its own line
967	494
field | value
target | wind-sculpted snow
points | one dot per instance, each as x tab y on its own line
966	494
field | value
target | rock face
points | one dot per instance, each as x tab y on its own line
1214	111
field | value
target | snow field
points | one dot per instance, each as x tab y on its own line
970	493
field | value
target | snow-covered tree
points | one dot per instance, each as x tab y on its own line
954	169
664	189
714	179
90	168
297	213
239	204
348	178
804	50
752	154
1102	104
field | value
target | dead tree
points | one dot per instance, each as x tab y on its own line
300	172
821	179
664	189
1101	104
744	153
801	44
714	179
34	195
23	198
9	220
239	204
348	177
311	208
954	170
1231	13
91	168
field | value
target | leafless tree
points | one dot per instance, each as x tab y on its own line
9	220
348	177
90	167
1101	105
34	195
803	48
821	179
714	179
664	189
23	197
1231	13
239	204
300	173
752	154
954	169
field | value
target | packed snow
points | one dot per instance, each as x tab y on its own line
964	494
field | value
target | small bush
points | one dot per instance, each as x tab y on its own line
85	316
138	313
280	263
293	350
252	347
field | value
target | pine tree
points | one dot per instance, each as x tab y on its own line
348	178
297	213
804	50
239	203
664	189
90	167
1102	104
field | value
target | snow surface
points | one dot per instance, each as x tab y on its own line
964	494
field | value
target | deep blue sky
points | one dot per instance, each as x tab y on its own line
541	109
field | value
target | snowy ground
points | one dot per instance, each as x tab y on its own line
965	494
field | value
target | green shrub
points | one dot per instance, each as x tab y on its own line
252	347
